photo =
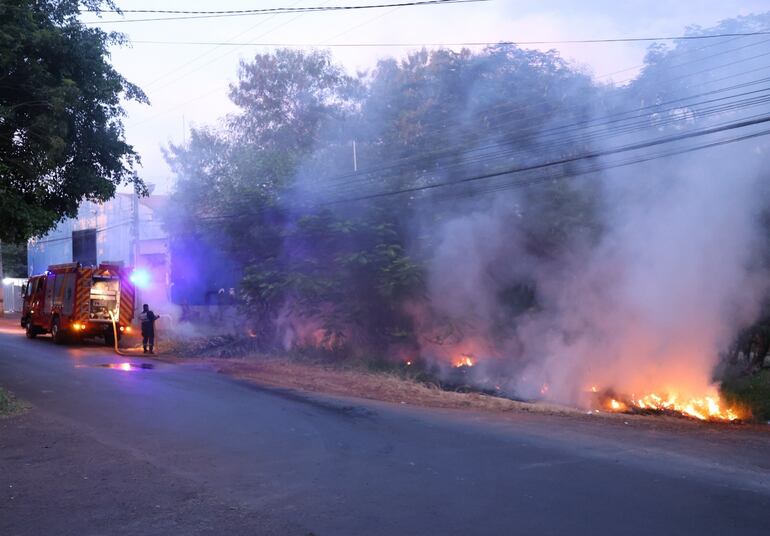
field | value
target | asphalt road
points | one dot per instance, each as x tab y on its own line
175	450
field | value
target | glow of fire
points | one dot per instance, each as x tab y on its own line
463	361
707	408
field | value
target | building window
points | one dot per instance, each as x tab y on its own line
84	247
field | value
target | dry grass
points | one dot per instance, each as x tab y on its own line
383	386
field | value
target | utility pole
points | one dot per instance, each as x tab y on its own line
2	285
133	254
355	159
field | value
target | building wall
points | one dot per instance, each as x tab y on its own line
112	221
114	239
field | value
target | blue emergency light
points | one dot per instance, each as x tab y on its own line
140	277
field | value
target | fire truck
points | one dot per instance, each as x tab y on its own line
72	302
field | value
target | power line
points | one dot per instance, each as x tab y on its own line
220	56
178	68
559	129
593	156
508	152
569	160
637	160
67	238
188	15
451	44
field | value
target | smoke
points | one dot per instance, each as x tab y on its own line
648	307
389	222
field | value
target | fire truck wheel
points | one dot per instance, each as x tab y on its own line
56	333
31	330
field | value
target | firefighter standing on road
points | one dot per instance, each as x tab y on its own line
148	319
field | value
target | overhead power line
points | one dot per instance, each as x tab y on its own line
187	15
450	44
590	156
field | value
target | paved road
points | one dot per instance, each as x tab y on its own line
179	450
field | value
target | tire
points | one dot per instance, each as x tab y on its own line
24	321
57	334
31	330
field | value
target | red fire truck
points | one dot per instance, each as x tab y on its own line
71	301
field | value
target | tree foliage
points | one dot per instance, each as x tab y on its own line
260	187
320	246
61	135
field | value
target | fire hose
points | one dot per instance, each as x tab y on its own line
114	320
115	333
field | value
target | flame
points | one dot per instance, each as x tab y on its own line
705	408
463	361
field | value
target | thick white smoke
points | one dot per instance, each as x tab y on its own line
648	308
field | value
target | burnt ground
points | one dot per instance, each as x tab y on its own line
176	450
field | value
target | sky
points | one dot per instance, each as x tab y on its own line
187	84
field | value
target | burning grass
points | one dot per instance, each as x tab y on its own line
413	381
711	407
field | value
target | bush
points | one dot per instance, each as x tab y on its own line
752	392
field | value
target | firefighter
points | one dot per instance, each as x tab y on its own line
148	319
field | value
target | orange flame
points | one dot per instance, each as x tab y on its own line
706	408
463	361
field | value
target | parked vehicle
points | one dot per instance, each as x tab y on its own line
72	302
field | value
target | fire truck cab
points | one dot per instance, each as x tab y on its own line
72	302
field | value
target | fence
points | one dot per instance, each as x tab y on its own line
12	294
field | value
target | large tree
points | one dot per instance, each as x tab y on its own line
61	134
264	188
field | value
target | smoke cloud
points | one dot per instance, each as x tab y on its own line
648	307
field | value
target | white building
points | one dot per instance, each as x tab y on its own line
112	231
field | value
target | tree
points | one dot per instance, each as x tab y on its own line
14	260
61	134
351	270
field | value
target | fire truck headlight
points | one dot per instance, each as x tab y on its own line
122	328
128	329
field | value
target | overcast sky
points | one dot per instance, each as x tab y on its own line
187	84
